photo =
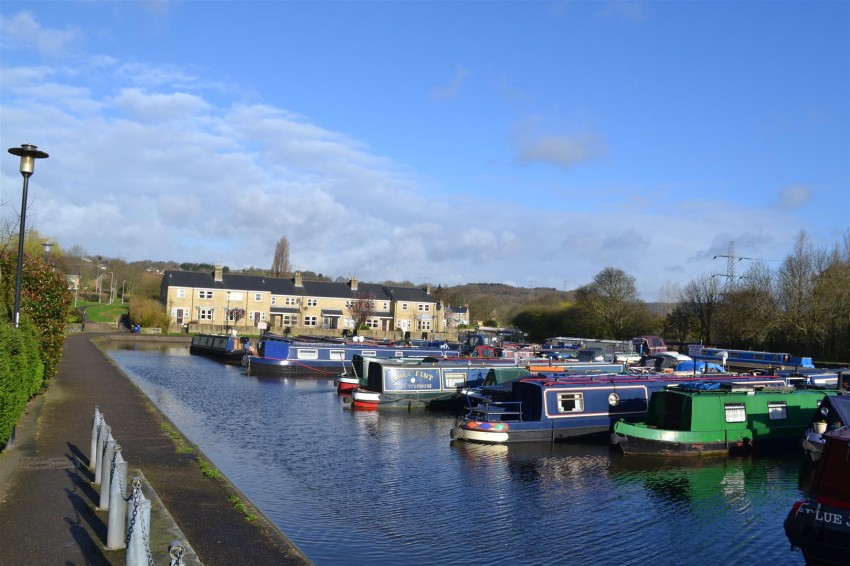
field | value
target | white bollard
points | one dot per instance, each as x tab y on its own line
95	427
106	471
105	431
117	506
138	544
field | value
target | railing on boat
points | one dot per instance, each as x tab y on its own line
488	411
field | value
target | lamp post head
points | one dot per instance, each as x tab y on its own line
47	245
28	154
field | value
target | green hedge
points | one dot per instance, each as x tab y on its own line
45	299
30	353
21	373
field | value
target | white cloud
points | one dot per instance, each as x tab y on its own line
22	31
564	151
623	9
794	197
156	107
451	90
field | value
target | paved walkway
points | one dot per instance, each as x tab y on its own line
48	503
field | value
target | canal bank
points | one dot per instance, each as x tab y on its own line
48	505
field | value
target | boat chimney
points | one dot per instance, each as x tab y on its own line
217	273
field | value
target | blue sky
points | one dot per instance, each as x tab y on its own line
528	143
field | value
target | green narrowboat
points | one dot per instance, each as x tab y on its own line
714	418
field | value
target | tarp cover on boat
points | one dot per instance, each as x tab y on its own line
498	376
700	385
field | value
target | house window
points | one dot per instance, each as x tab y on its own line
373	323
423	325
205	314
312	302
258	296
274	300
290	301
777	410
347	323
181	293
736	413
234	295
290	320
404	306
205	294
570	402
386	305
311	321
424	308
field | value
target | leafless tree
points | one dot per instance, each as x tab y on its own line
747	314
236	314
280	265
361	308
699	300
801	292
613	301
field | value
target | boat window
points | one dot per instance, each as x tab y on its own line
455	379
736	413
372	353
305	354
570	402
758	356
337	354
777	410
399	354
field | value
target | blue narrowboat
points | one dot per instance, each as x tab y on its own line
750	359
437	384
281	355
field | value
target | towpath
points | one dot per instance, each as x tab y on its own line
48	503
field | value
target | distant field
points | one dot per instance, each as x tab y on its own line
100	312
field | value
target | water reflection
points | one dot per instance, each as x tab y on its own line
366	487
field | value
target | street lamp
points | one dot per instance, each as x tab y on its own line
28	154
47	246
111	287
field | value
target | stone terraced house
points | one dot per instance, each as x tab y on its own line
217	301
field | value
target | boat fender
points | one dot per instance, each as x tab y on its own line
454	433
613	399
614	438
801	530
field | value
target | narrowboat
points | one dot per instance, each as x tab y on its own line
281	355
819	525
356	376
550	408
433	384
832	414
222	347
712	418
749	359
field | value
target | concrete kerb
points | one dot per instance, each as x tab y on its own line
164	529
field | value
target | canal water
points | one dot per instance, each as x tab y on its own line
355	487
